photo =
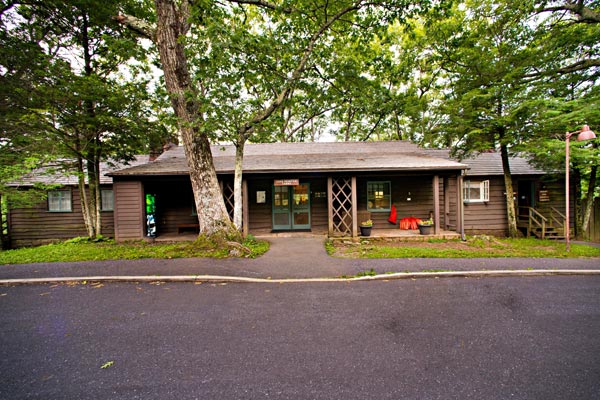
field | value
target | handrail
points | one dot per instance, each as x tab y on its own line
537	219
558	212
559	223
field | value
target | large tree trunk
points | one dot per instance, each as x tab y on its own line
90	196
589	201
83	198
508	187
172	24
237	183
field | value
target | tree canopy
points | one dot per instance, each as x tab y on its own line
470	75
74	88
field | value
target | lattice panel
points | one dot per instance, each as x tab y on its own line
228	197
341	191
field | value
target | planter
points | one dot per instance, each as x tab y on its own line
426	229
365	230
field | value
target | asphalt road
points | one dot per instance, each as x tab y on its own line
494	338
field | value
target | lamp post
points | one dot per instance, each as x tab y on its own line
583	134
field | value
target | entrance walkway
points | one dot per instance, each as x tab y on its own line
289	257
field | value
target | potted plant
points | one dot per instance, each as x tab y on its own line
365	228
426	227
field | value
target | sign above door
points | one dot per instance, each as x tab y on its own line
286	182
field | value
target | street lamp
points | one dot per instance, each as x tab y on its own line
583	134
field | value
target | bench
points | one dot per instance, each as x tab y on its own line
187	227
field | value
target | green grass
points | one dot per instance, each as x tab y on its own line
475	247
83	250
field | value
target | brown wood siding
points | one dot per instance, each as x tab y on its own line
129	210
36	225
419	189
451	214
260	217
489	217
556	194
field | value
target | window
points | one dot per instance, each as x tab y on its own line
59	201
476	191
108	200
379	196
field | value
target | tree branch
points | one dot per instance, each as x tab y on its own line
248	128
137	25
569	69
263	4
584	14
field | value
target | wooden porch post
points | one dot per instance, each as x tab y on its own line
354	209
446	204
436	204
245	208
330	205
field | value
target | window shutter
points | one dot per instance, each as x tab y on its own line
485	191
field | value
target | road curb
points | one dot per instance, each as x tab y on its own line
240	279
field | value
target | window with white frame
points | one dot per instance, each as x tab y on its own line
379	197
59	201
476	191
108	200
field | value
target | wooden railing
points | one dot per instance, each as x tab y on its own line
543	227
557	219
536	220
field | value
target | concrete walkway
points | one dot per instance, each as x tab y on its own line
303	257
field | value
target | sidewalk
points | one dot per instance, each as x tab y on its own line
288	258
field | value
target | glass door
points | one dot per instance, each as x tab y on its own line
291	207
281	208
301	206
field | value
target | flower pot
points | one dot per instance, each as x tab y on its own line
426	229
365	230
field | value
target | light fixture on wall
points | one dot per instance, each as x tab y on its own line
585	133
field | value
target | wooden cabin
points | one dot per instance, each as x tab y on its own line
59	216
322	188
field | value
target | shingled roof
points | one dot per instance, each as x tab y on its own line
55	175
490	164
305	157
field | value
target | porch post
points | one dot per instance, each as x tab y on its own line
354	209
459	204
436	204
245	211
446	205
330	205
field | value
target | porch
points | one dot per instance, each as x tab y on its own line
392	234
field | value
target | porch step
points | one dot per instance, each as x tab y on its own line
551	233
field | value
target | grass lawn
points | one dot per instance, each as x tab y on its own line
474	247
80	249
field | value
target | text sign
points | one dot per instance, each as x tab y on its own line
287	182
544	196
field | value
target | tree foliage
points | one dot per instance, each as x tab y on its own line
73	88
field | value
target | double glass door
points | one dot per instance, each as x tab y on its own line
291	207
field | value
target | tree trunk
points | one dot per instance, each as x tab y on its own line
171	26
90	205
237	183
508	187
83	198
589	201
